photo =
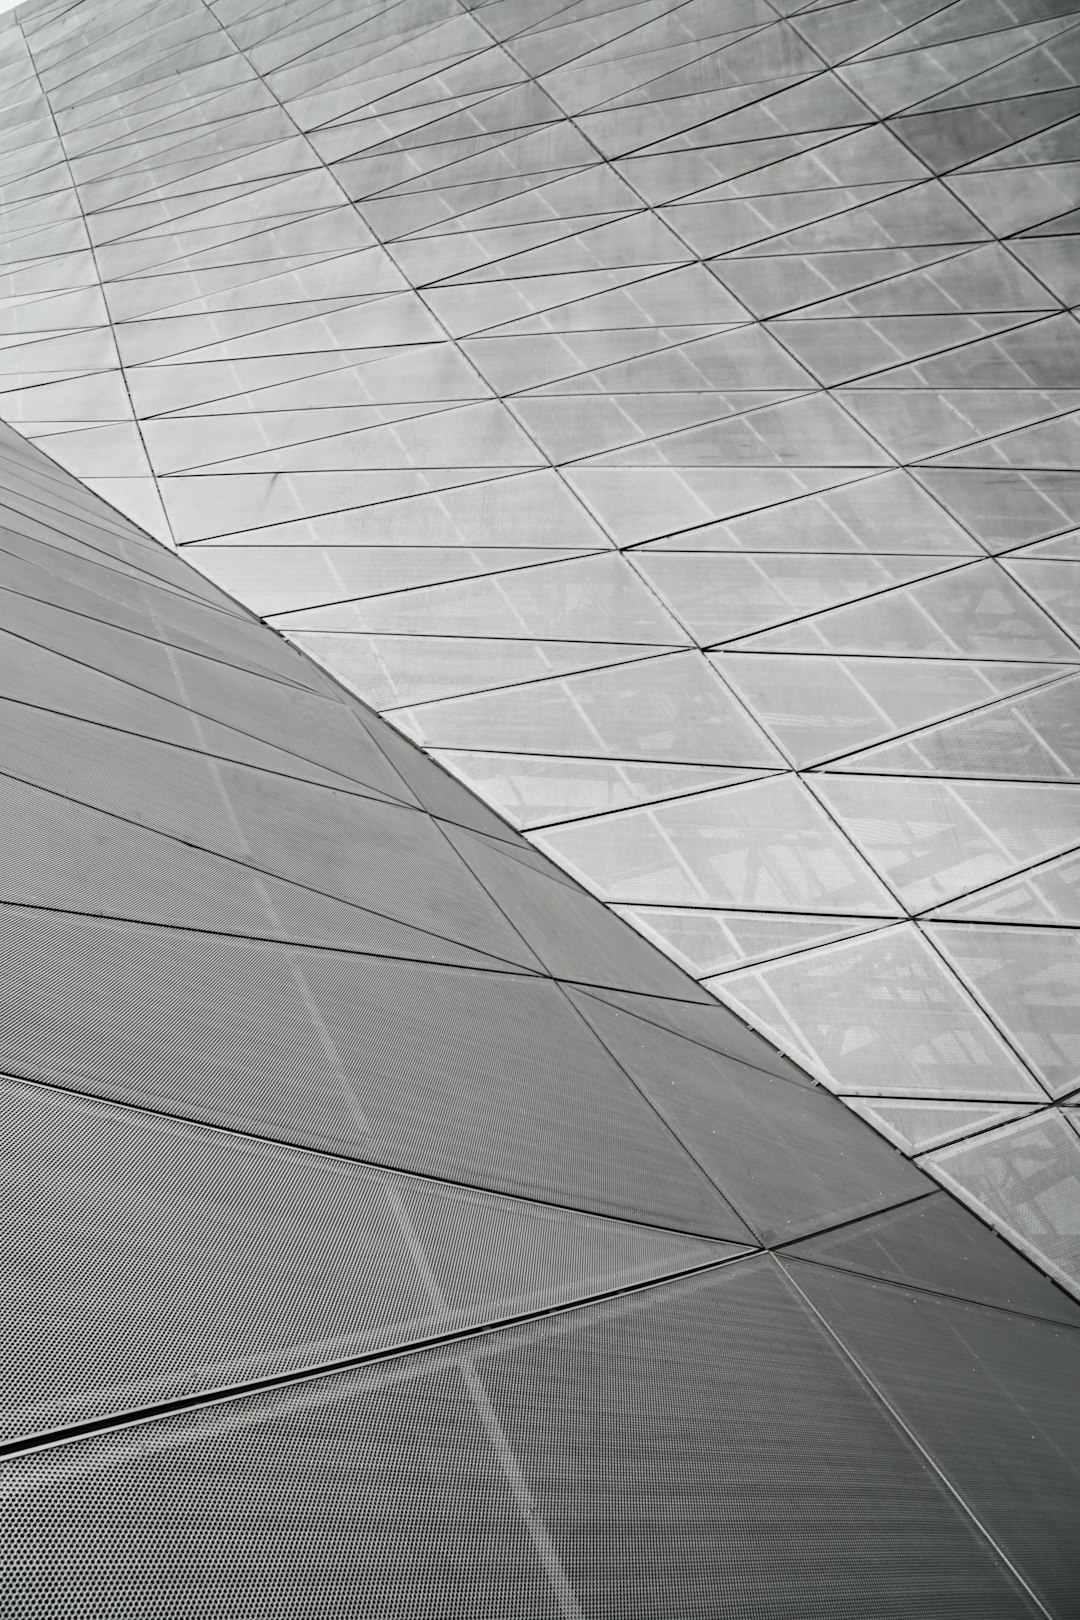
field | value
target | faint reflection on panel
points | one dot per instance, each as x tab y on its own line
882	1015
1024	1179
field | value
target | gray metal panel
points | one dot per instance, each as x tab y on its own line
485	1078
573	935
62	856
797	453
688	1446
992	1398
151	1259
790	1157
380	856
936	1244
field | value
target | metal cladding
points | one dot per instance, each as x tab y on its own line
493	1060
392	1230
665	414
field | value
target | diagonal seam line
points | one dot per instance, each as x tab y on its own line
934	1466
255	671
531	1200
267	872
174	703
936	1293
215	1397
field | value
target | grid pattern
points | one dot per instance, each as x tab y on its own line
666	414
391	1229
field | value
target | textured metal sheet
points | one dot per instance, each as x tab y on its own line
485	1078
147	1259
992	1397
65	857
789	1157
385	858
574	935
304	722
693	1450
936	1244
710	1025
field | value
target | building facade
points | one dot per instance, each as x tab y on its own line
663	418
665	414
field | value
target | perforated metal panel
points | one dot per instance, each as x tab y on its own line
698	1448
935	1243
436	789
689	1451
44	679
147	1259
992	1397
384	858
710	1025
122	566
152	620
378	1495
789	1157
575	936
307	724
61	855
486	1078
